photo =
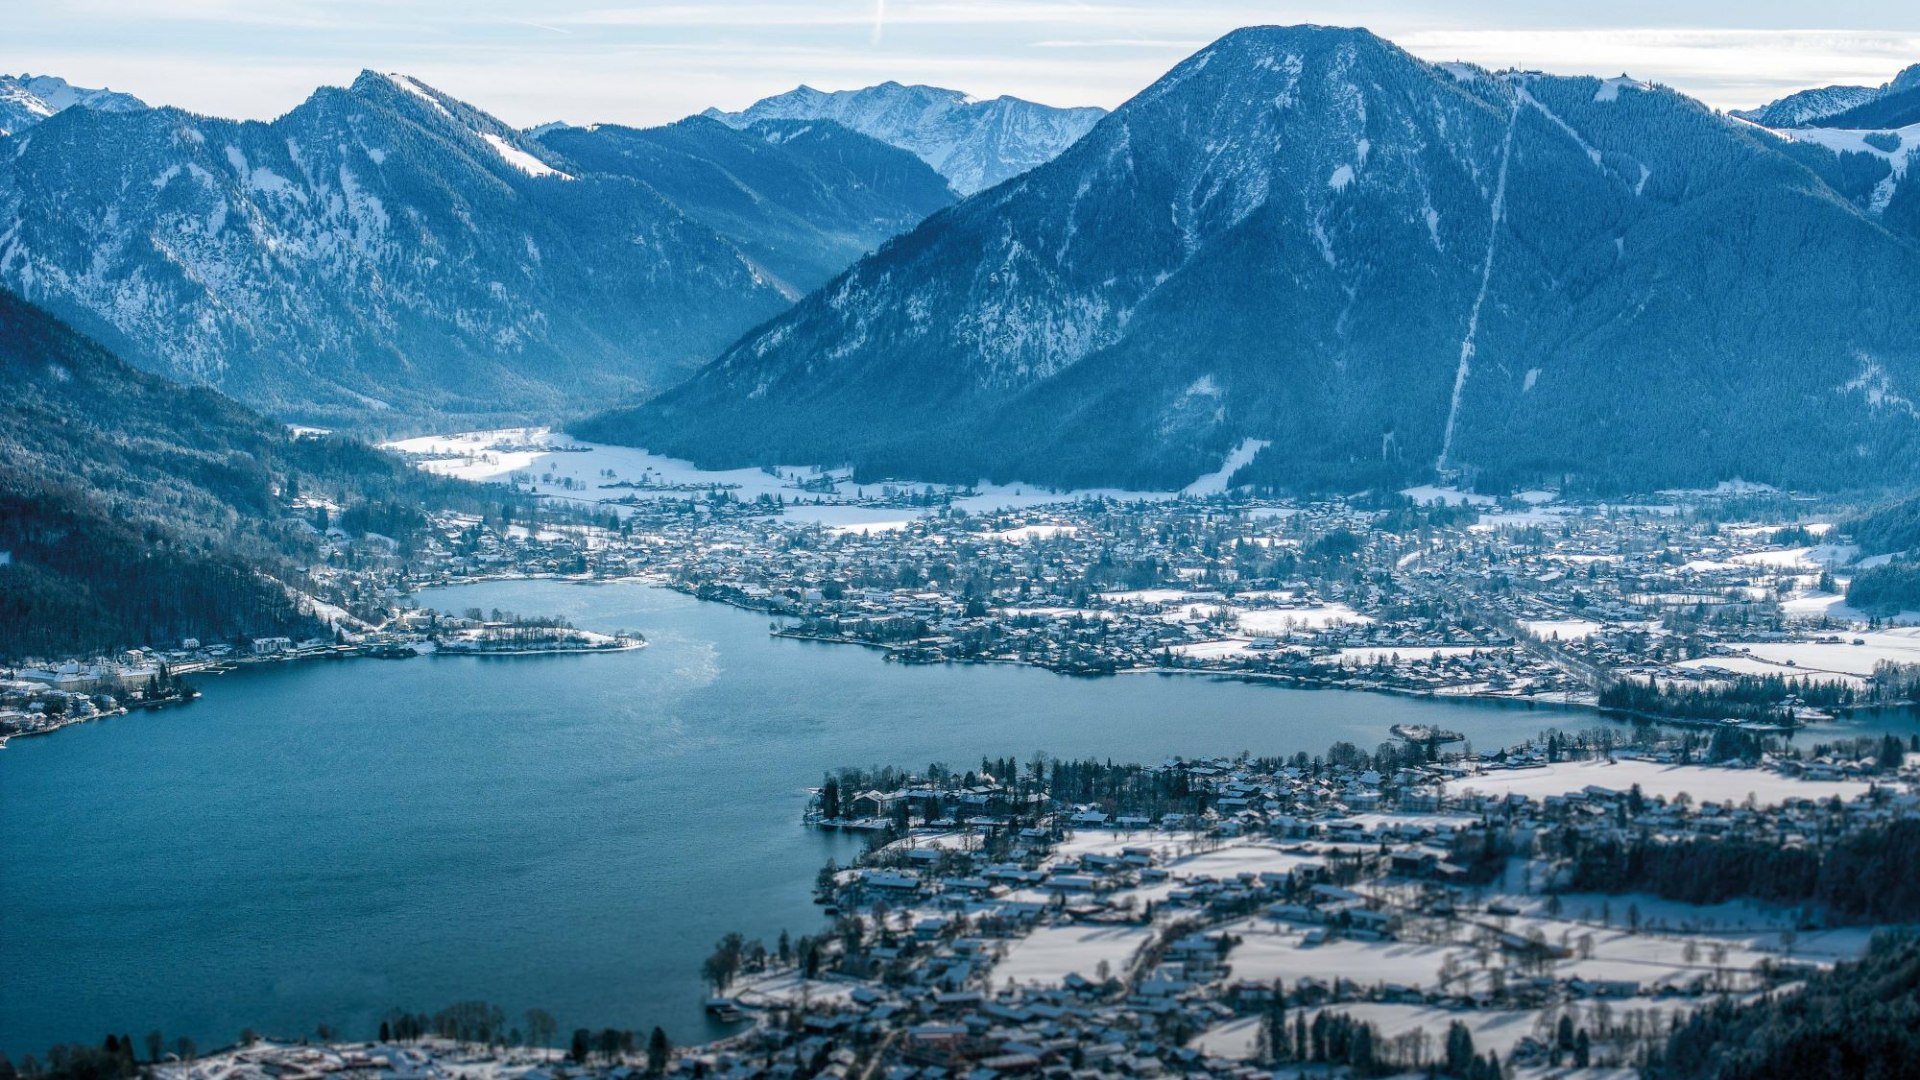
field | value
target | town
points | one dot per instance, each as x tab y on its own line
1714	607
1690	607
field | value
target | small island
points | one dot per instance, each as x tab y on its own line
507	634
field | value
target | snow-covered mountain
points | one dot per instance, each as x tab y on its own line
974	144
385	253
1379	267
1817	106
25	100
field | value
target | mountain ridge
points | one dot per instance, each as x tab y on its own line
1819	106
382	256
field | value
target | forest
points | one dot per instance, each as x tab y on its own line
134	511
1747	697
1887	589
1860	1019
1862	878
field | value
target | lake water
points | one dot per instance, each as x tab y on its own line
321	842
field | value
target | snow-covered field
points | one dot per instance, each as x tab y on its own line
1148	596
1748	665
1034	532
1408	653
1270	950
1231	861
1519	519
1800	558
1051	953
1493	1029
1273	622
533	453
1563	629
1812	605
556	465
1699	782
1431	495
1900	646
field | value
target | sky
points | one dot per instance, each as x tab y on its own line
654	61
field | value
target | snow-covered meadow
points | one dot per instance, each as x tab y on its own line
555	465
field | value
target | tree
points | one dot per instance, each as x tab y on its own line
541	1027
156	1045
609	1044
1360	1053
659	1051
1459	1048
723	966
582	1046
809	958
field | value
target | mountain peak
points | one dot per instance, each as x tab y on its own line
1313	34
1306	40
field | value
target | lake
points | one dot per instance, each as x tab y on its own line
321	842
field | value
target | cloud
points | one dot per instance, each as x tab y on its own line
652	61
1723	67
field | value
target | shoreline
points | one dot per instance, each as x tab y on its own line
1576	705
227	665
890	651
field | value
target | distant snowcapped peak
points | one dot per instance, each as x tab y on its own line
974	143
26	99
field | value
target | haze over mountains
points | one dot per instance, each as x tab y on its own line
1381	267
975	144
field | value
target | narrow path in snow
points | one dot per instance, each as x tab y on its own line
1486	276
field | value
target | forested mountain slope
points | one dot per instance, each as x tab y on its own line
802	199
1860	1019
134	511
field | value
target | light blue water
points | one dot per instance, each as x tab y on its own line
322	842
